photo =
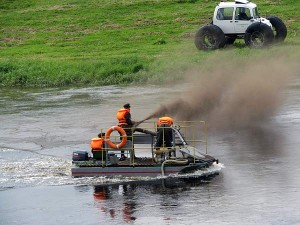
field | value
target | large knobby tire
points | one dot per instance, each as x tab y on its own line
209	37
258	35
279	28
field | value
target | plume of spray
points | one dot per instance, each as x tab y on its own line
231	95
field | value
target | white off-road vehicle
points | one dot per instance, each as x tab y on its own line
239	19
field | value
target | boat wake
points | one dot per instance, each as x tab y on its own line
20	170
212	170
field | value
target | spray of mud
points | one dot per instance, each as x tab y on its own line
231	94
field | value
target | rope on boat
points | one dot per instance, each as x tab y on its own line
177	161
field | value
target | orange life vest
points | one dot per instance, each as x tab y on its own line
165	120
121	116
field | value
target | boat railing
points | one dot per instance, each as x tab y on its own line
136	142
194	133
185	133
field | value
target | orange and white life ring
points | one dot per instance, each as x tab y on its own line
123	134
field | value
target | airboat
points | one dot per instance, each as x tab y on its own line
187	154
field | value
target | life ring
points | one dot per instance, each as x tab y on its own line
123	134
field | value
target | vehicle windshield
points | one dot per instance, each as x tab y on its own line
255	13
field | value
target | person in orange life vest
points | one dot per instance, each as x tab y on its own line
99	152
124	117
164	135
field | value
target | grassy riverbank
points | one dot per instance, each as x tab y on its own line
76	42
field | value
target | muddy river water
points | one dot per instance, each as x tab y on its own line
258	182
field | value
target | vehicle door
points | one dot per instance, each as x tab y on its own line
224	19
242	19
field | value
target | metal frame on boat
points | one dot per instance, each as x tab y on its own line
184	156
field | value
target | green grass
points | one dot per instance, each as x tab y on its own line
101	42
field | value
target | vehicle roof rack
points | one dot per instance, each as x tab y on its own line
242	1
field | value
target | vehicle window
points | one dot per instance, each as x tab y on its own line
242	13
225	14
255	13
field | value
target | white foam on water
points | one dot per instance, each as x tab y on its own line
32	170
215	168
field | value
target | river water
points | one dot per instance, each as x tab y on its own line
258	180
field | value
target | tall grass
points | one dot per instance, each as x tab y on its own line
37	73
101	42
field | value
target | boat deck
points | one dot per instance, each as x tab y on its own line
144	161
138	162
